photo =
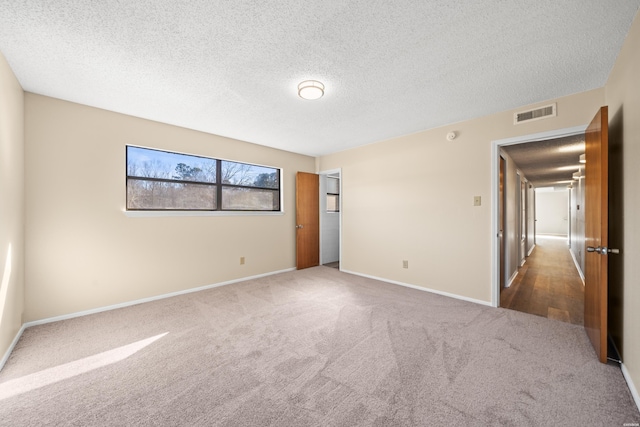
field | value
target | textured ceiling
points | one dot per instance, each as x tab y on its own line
390	68
549	163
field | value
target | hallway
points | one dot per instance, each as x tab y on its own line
548	284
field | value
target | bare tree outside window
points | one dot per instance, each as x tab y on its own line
161	180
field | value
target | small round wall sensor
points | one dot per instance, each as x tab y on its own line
451	136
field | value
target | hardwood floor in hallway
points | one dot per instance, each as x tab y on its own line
548	284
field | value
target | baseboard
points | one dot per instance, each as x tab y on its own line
531	250
420	288
632	387
143	300
11	347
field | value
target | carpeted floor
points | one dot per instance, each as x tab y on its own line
315	347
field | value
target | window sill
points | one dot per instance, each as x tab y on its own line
152	214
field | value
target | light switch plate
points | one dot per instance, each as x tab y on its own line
477	201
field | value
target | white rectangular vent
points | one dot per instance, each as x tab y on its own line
537	114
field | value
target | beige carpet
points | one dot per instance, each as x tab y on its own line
310	348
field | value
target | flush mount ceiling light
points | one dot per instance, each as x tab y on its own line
572	148
569	168
583	158
310	89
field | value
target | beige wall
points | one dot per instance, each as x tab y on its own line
552	212
622	93
82	252
11	206
411	198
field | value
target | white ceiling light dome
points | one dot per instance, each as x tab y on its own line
310	89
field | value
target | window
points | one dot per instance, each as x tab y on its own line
162	180
333	194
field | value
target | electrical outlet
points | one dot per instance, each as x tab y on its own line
241	260
477	201
405	264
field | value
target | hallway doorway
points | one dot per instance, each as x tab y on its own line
583	156
330	218
543	271
549	161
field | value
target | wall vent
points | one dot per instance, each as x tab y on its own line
537	114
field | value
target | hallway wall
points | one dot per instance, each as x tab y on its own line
512	217
577	222
552	212
531	217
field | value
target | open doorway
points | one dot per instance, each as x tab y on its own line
542	270
330	218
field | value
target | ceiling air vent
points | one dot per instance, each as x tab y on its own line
537	114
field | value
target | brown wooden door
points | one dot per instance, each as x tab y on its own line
307	220
596	228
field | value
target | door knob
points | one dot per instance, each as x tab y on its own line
299	226
603	250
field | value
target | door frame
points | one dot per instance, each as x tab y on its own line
337	171
495	182
501	221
